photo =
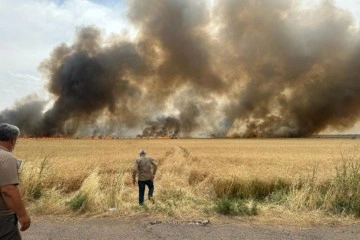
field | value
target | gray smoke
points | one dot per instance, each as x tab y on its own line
242	68
162	127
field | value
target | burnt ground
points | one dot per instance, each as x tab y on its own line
146	228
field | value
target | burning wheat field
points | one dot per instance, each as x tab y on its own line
240	87
202	68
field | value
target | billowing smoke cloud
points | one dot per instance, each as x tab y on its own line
27	114
163	126
240	68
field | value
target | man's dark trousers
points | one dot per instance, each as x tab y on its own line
142	184
9	228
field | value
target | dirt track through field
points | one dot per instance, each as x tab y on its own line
133	229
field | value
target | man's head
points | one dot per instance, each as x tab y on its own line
8	135
142	152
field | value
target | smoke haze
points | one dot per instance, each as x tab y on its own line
240	68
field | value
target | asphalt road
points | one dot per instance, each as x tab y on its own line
135	228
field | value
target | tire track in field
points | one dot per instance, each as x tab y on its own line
177	152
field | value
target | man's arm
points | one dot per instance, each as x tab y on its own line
12	198
134	172
154	164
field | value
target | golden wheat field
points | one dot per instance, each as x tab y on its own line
262	178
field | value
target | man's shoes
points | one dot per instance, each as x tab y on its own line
152	200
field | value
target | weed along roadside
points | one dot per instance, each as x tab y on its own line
282	180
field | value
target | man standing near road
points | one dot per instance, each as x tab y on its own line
12	207
145	167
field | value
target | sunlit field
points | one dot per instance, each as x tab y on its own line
261	180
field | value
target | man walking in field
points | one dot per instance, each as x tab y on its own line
145	167
12	207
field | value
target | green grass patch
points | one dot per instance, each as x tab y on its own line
249	189
235	207
79	202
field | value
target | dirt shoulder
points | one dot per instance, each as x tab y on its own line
147	228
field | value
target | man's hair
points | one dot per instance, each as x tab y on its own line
142	152
8	132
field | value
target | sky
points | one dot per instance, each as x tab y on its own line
31	29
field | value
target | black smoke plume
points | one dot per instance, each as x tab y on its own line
162	127
239	68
